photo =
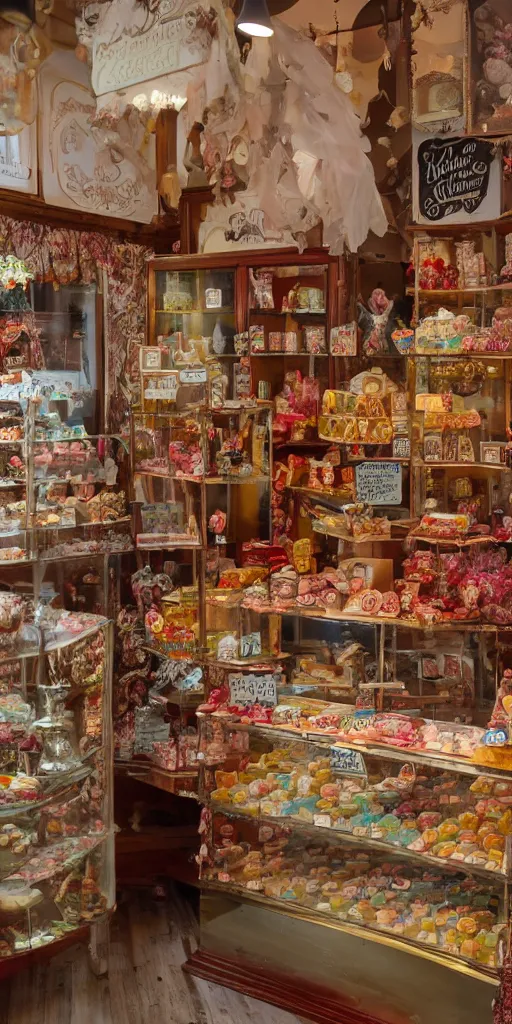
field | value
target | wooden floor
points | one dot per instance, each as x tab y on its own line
149	942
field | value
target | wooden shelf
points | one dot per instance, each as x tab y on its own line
181	782
383	751
189	312
289	355
325	615
502	225
425	293
294	313
499	467
444	354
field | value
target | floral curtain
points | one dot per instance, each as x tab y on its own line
64	256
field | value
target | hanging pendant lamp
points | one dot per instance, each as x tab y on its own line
18	12
254	19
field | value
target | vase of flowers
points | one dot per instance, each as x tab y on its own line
14	277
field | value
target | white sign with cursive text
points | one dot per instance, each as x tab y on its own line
130	50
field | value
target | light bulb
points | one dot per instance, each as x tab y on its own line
254	19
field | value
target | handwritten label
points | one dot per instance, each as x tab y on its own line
453	176
213	298
379	483
351	762
13	169
253	689
193	376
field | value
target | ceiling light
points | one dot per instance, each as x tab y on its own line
254	19
18	12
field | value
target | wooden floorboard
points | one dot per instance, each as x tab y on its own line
149	941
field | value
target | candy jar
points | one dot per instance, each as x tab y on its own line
52	703
58	754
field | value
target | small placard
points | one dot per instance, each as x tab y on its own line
351	762
162	388
252	689
401	448
213	298
250	645
193	376
379	483
162	517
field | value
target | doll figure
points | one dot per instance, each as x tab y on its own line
373	321
261	284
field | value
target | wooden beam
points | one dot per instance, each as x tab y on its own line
159	235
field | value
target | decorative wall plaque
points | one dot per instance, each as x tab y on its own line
85	166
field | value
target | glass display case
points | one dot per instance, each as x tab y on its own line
56	798
63	519
354	737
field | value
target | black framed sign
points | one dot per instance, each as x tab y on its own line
453	175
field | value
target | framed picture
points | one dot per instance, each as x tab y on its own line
492	451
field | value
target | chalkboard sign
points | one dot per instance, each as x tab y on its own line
348	761
379	483
453	175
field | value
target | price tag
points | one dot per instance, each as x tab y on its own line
322	820
350	762
252	689
379	483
